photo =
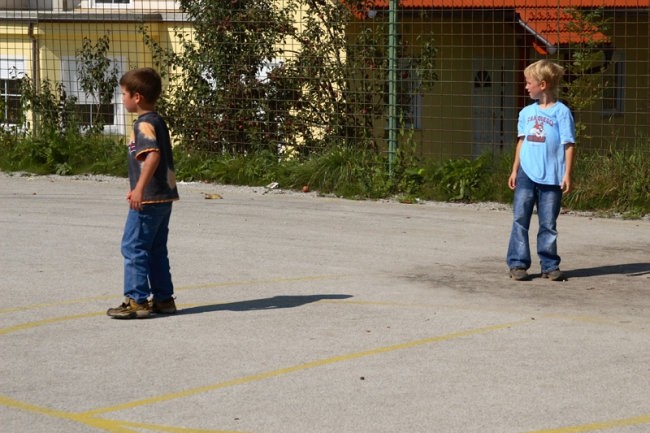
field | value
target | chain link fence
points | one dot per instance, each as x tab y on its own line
440	77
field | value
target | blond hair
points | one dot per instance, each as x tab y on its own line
548	71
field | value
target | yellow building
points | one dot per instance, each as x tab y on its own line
41	39
482	49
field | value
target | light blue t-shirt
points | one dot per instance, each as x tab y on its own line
545	132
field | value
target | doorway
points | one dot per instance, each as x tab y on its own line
494	121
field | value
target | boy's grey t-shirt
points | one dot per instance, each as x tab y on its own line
150	134
545	132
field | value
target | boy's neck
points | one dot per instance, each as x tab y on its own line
546	100
144	109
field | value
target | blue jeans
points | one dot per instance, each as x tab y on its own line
548	199
144	247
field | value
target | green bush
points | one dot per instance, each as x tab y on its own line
613	181
64	153
607	182
346	172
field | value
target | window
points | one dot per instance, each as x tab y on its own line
613	86
409	98
111	3
89	109
11	72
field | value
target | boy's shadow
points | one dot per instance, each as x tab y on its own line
630	269
262	304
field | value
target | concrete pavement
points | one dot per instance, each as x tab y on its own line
307	314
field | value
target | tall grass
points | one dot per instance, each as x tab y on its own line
64	153
607	182
613	181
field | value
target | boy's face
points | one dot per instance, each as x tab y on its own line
129	100
535	88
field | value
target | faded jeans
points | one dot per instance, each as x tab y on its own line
144	247
548	199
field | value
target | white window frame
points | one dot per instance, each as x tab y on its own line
11	69
71	85
108	4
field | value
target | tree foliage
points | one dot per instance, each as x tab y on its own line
587	61
98	76
256	75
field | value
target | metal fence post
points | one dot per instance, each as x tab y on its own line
392	84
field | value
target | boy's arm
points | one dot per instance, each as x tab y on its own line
569	156
512	180
149	166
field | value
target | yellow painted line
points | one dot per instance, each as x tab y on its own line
53	304
594	320
271	280
102	424
29	325
10	402
117	426
603	425
109	426
113	426
173	429
178	289
301	367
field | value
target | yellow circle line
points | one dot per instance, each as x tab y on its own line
35	324
602	425
117	426
300	367
182	288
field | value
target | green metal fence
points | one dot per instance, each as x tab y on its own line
443	77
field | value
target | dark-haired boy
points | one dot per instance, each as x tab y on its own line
147	278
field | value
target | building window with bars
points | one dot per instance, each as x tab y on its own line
11	72
111	3
89	109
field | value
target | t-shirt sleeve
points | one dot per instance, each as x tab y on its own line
567	127
145	140
521	124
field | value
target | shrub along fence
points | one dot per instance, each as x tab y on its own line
403	81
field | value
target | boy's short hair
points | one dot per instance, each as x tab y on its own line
145	81
546	70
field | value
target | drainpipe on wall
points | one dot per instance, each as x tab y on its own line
36	74
35	68
35	60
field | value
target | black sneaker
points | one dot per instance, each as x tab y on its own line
163	307
129	309
519	274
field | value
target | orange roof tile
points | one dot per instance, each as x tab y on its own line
482	4
551	26
547	20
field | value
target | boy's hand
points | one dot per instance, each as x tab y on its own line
566	184
134	197
149	164
512	181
